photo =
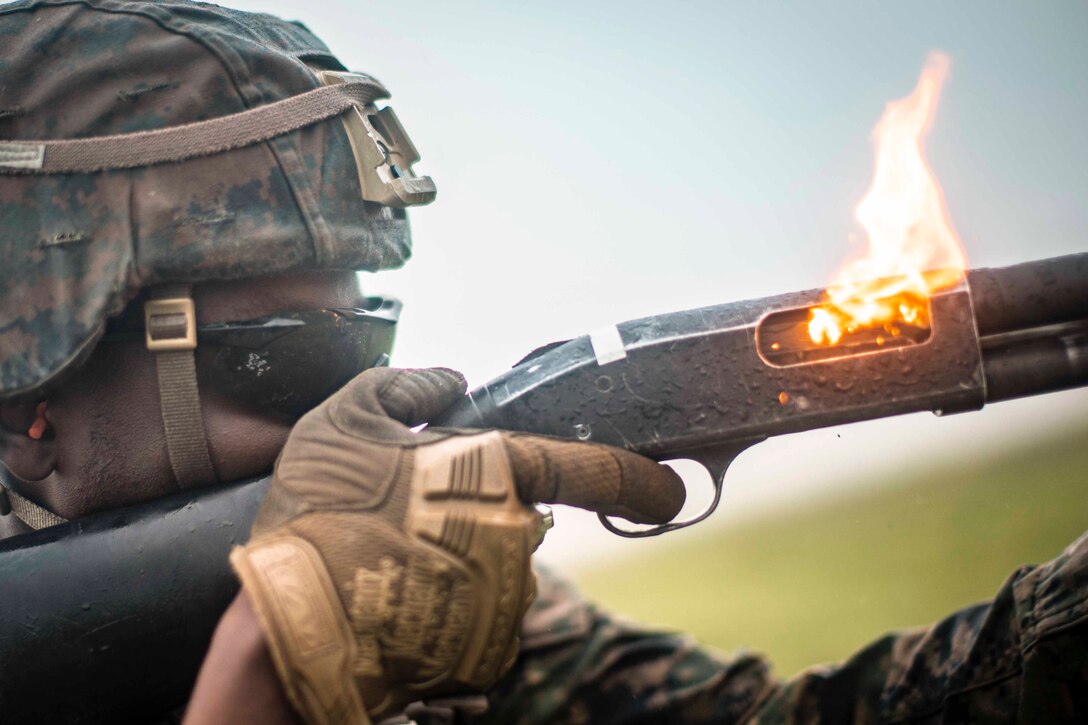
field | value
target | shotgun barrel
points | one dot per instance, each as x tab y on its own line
1032	294
1032	320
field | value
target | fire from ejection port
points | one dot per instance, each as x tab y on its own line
911	249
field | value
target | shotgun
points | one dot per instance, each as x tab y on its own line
708	383
107	618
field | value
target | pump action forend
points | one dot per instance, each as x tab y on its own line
706	384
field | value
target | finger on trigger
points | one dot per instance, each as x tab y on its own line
608	480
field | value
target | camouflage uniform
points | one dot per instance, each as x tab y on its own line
1021	657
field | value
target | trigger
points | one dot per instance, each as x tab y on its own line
716	459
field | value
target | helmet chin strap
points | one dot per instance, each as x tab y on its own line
170	322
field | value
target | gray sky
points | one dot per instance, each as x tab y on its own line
601	161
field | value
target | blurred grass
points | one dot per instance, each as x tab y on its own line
812	585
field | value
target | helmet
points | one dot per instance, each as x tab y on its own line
158	144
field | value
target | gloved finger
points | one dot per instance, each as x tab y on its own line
375	398
601	478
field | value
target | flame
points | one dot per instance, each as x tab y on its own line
912	249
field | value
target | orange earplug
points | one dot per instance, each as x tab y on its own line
37	428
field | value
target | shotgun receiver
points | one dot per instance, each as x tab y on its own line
706	384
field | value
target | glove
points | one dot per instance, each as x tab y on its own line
387	565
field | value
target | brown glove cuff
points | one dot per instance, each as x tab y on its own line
305	626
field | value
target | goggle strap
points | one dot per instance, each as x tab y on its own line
179	397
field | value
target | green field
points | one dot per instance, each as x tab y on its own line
812	585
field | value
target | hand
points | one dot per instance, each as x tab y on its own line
387	566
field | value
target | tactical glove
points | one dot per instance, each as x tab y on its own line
387	566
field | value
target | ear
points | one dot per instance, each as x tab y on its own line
30	459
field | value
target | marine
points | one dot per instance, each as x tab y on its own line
175	178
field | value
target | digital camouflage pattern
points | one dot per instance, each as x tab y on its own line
74	248
1022	657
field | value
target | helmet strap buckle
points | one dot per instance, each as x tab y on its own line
170	321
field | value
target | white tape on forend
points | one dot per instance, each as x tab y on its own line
607	345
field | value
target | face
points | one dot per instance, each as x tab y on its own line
104	445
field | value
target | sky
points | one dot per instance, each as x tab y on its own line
598	162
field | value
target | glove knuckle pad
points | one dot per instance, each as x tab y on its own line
464	505
420	593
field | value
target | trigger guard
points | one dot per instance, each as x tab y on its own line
716	460
672	525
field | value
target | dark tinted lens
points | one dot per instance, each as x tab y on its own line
293	362
288	362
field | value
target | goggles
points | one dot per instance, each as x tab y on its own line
290	361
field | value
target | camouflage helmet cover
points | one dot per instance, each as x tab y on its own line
76	247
